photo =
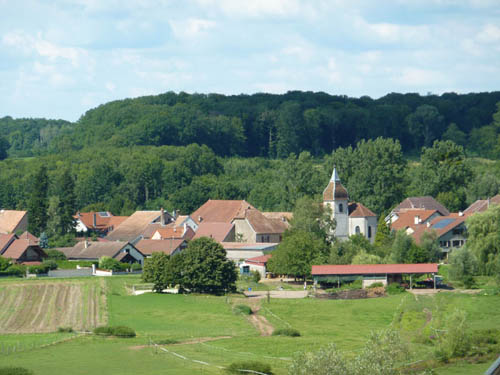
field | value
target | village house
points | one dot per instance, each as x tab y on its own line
257	264
100	223
351	218
141	224
12	221
169	247
426	203
482	205
240	251
251	225
173	232
122	251
21	250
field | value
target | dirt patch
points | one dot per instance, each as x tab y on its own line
355	294
198	340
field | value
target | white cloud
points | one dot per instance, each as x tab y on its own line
255	8
419	77
191	28
489	34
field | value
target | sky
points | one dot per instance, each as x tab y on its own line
61	58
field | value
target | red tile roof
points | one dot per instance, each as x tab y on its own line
358	210
374	269
449	222
18	247
260	260
220	211
104	220
263	225
5	240
218	231
94	249
335	190
406	219
28	236
482	205
168	232
134	226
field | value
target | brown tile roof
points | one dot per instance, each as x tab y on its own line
220	211
358	210
374	269
148	247
28	236
287	216
406	219
134	226
5	240
95	249
218	231
174	232
482	205
10	219
263	225
18	247
426	203
335	190
441	225
179	220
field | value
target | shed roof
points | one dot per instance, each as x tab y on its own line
374	269
10	219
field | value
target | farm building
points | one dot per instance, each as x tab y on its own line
371	273
93	250
237	251
20	250
255	264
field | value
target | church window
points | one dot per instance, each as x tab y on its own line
341	207
357	229
369	232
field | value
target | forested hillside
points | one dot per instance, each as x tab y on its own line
178	150
267	125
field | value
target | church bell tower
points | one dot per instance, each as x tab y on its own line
336	198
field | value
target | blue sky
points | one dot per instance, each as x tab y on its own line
61	58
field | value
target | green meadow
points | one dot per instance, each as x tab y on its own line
203	334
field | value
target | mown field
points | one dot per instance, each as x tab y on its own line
204	333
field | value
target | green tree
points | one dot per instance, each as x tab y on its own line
54	222
383	235
37	203
463	266
156	271
4	263
205	268
4	146
295	255
344	252
311	216
365	258
403	249
483	240
454	134
430	247
67	201
108	263
425	124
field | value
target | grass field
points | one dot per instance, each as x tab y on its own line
192	320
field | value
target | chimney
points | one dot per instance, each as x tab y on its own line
94	221
200	219
162	217
417	220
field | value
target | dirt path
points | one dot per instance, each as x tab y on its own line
198	340
258	321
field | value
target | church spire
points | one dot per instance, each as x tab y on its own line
335	176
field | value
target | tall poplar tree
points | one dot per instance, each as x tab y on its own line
67	202
38	202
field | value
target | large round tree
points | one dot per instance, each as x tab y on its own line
205	268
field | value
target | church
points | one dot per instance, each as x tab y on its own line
351	218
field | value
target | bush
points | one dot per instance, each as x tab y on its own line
286	332
376	285
108	263
166	342
14	270
50	263
394	288
118	331
255	276
55	254
242	309
38	270
136	267
15	371
65	329
235	367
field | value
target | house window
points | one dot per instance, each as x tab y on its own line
245	269
358	231
456	243
369	232
341	207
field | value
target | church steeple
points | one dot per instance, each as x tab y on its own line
335	176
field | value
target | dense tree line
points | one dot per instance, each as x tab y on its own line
267	125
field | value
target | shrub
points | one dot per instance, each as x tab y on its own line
14	270
50	263
136	267
394	288
118	331
41	269
65	329
236	367
376	285
286	332
55	254
166	342
122	331
15	371
242	309
255	276
108	263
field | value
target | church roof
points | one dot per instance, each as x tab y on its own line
335	189
358	210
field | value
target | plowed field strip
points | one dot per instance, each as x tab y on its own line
9	296
37	318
